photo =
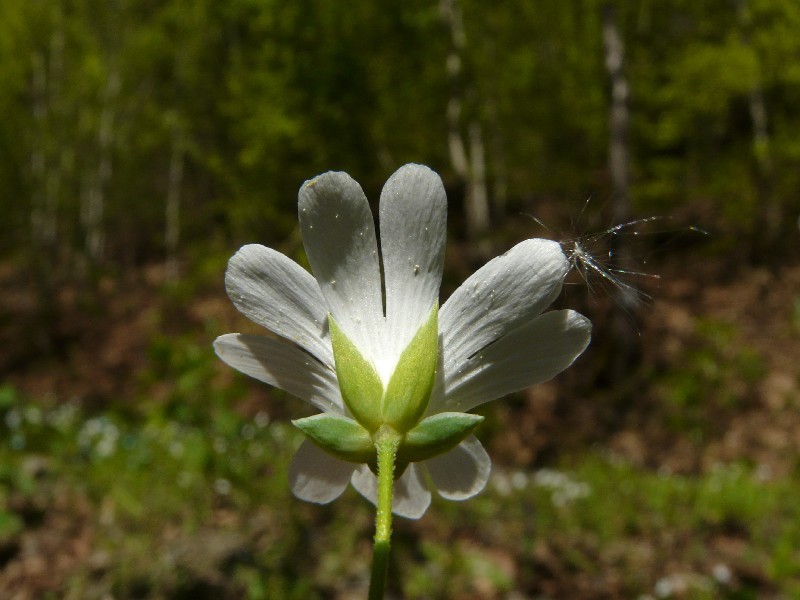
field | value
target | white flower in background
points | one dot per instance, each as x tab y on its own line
366	322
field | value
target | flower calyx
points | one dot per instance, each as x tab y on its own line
398	408
347	440
403	401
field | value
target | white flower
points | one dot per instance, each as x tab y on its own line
493	337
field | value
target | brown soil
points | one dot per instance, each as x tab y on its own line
91	346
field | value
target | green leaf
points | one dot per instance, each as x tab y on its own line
359	382
410	387
339	436
436	435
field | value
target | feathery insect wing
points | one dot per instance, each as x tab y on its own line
598	261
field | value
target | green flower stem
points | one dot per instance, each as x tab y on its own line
387	441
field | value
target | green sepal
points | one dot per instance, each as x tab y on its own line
339	436
359	382
436	435
410	386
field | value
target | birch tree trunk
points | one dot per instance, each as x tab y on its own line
623	332
618	161
469	166
477	195
94	200
771	215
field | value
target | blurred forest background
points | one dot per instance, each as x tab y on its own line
143	142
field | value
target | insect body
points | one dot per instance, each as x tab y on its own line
598	259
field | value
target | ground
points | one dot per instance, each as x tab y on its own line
706	418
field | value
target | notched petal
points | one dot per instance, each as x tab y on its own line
411	496
284	365
529	355
274	291
338	233
462	472
316	476
413	221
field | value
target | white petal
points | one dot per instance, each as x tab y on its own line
339	238
279	363
504	294
277	293
462	472
413	225
532	354
316	476
410	497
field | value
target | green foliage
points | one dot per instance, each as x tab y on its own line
145	473
716	376
460	571
185	491
255	97
101	99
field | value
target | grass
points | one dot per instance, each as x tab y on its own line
178	493
202	509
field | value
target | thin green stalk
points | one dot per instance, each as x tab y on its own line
387	441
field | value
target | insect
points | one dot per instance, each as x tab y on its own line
606	258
